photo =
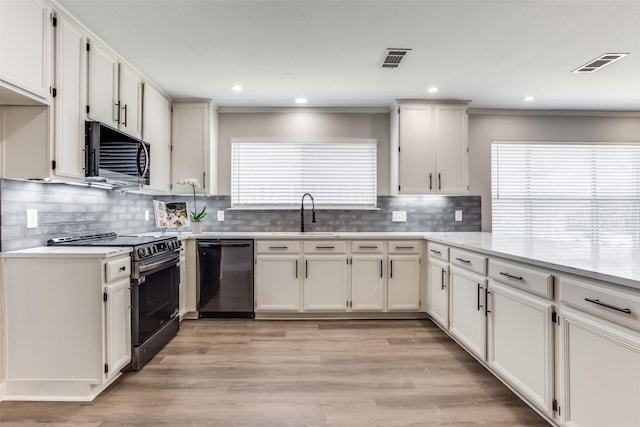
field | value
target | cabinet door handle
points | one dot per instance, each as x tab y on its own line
466	261
204	180
439	182
486	302
604	304
381	269
442	278
306	269
125	115
430	181
296	269
117	118
390	269
511	276
479	290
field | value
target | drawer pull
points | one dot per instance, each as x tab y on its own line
278	247
123	268
325	247
466	261
436	252
367	247
613	307
511	276
405	247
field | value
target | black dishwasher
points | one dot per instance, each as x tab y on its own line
225	278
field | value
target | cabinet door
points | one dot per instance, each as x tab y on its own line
130	92
189	139
467	310
157	131
325	283
520	343
277	283
599	372
403	286
103	85
25	29
118	326
417	171
70	84
438	292
451	149
367	283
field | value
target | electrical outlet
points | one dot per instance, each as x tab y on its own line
399	216
458	216
32	218
220	215
146	215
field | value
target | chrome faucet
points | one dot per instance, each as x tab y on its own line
313	211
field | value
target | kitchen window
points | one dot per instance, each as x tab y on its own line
339	174
588	192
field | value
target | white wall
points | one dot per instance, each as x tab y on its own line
305	123
519	126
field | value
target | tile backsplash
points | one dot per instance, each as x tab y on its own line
68	209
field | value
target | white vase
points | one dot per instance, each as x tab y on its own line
196	227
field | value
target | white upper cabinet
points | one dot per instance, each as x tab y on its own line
157	132
70	83
25	40
193	153
115	91
429	144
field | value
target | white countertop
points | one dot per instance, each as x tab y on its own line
69	251
607	263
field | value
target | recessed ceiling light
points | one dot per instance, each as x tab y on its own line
237	88
529	98
301	100
433	89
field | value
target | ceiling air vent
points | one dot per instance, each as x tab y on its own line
599	62
393	57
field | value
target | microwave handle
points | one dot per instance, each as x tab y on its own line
142	171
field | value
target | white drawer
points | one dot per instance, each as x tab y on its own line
404	247
438	251
277	246
620	305
325	247
116	269
523	277
367	247
469	260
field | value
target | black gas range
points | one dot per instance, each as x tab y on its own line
155	280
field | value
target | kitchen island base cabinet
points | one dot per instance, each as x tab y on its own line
520	343
601	376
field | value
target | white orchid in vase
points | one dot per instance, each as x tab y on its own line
196	216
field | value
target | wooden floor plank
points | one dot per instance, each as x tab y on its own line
297	373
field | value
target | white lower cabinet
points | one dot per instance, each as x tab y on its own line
325	283
467	316
403	292
520	342
278	283
438	292
118	325
601	372
367	282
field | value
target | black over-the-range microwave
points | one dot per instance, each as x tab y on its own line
115	157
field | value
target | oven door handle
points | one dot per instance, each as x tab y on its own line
174	261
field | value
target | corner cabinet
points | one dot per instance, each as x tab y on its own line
194	145
65	339
429	147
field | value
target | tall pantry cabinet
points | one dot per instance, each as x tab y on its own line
429	147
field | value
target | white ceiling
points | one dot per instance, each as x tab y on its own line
493	53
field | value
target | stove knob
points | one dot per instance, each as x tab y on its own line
172	245
154	250
142	252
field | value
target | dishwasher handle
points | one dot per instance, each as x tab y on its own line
224	244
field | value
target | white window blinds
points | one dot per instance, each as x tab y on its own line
580	192
338	173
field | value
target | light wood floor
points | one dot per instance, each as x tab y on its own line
297	373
